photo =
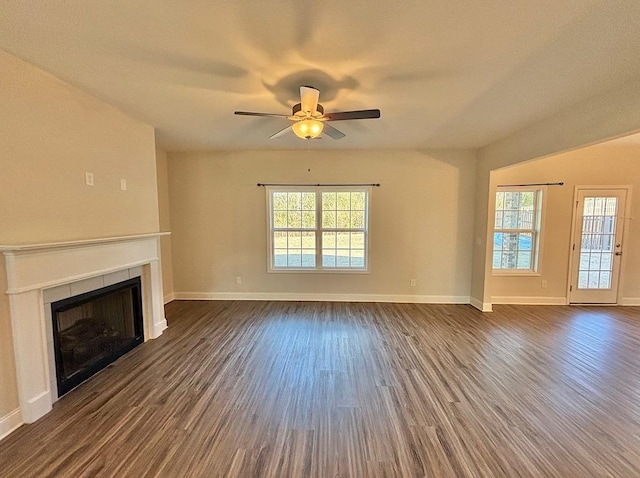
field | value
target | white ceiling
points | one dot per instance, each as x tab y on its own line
445	74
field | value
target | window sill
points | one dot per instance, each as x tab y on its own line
522	273
318	271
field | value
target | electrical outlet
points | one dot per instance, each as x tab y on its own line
544	284
123	184
88	179
412	282
238	280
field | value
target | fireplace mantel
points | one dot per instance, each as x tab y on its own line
34	268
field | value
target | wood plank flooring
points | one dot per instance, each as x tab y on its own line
287	389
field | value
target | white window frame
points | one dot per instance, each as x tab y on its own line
537	231
318	190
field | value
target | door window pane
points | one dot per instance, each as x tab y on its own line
597	242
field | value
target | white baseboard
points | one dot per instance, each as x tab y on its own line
36	407
630	301
159	327
481	306
313	297
169	297
513	300
10	422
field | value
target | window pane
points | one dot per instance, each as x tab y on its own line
309	219
510	242
344	219
328	258
280	240
309	201
497	240
611	206
294	219
525	241
328	239
509	260
294	258
524	260
329	219
357	201
343	201
357	258
279	219
511	200
527	199
583	279
279	201
588	207
309	240
357	240
343	240
328	201
342	258
357	219
295	240
308	258
525	219
510	220
294	201
280	257
497	259
598	208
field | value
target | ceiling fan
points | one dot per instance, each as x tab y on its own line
310	119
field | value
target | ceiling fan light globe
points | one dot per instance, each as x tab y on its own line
307	129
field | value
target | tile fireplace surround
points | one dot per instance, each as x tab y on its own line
36	271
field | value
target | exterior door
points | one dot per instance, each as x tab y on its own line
597	246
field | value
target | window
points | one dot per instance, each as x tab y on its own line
316	228
516	237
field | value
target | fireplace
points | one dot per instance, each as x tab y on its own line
93	329
37	275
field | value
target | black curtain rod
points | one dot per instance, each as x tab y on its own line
375	185
530	184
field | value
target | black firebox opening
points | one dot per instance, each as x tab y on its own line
92	330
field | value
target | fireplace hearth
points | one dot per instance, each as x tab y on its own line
94	329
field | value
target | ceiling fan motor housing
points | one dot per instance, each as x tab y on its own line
297	111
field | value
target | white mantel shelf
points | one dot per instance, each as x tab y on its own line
40	266
77	243
33	268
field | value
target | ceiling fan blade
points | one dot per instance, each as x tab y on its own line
309	99
282	132
332	132
251	113
351	115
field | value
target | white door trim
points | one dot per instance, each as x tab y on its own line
625	231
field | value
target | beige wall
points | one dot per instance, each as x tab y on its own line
612	114
421	221
165	224
596	165
50	134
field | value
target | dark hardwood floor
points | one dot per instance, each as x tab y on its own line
288	389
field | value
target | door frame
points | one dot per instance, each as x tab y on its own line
626	216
